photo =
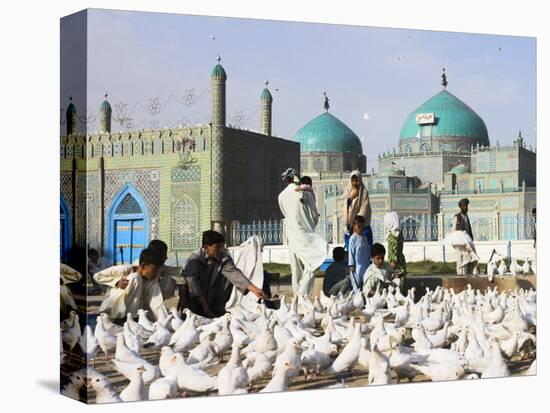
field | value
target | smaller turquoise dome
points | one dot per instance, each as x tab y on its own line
266	96
105	107
218	72
327	133
71	108
460	169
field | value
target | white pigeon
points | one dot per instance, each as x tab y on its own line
160	338
497	366
206	350
349	354
123	353
150	372
379	368
514	267
258	365
364	353
190	378
106	341
280	380
422	342
502	268
233	377
88	343
495	316
176	321
401	360
314	361
104	391
133	341
442	371
144	321
223	340
135	390
292	354
137	328
526	268
72	334
76	381
188	337
163	388
491	270
111	327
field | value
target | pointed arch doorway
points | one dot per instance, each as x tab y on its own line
128	223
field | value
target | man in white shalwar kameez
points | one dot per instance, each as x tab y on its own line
307	249
67	275
132	287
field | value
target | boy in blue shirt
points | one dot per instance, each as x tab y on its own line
358	253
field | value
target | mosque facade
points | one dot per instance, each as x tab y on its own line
121	190
444	154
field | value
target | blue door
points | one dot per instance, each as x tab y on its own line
128	223
64	231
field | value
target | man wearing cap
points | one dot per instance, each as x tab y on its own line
461	222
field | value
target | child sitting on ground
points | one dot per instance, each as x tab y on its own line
379	273
337	279
132	287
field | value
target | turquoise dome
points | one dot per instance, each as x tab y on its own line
327	133
218	72
71	108
460	169
105	107
453	118
266	95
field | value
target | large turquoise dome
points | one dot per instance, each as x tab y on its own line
327	133
453	118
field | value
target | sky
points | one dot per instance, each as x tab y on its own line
156	69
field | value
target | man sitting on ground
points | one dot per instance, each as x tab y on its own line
210	275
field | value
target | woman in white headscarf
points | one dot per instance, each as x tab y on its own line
394	236
356	202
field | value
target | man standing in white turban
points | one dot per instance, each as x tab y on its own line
307	249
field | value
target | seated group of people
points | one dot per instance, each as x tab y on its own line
206	280
363	267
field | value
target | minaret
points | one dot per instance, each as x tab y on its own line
265	114
217	187
218	79
71	118
105	112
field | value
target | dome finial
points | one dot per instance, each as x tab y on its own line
444	79
70	98
266	82
326	104
106	95
218	58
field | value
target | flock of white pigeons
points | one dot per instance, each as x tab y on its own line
443	336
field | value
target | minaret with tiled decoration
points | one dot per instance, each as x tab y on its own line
218	80
266	101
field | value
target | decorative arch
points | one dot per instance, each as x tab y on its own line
397	186
424	147
185	223
127	226
64	229
380	186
